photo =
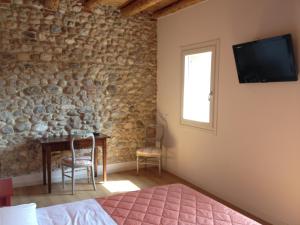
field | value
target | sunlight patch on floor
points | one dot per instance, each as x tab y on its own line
120	186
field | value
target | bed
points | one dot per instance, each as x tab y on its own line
174	204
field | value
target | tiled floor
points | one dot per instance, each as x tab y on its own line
117	182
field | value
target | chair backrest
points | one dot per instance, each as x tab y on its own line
154	135
82	141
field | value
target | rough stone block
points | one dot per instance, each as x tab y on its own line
74	70
55	29
7	130
33	90
5	1
29	35
46	57
23	56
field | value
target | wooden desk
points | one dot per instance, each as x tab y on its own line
6	192
54	144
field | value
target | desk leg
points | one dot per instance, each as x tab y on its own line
44	164
96	161
49	169
104	158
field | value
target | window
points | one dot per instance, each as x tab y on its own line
199	85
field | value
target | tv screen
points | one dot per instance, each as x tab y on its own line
267	60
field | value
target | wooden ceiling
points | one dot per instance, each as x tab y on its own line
158	8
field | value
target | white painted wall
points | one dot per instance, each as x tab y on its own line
254	160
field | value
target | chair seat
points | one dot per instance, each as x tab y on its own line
149	152
83	161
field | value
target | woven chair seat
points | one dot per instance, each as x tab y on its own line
83	161
149	152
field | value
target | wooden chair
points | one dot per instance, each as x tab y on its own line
79	160
151	154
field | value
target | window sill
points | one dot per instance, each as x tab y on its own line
200	126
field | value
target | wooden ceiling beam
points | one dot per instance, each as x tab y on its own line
51	4
90	5
175	7
138	6
161	5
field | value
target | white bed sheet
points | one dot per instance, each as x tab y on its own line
86	212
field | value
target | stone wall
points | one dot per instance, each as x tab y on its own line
73	70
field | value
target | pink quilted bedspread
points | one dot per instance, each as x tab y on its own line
174	204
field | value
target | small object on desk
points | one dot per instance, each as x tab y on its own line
6	192
96	133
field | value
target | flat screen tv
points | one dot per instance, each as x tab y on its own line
267	60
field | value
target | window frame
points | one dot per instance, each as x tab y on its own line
212	46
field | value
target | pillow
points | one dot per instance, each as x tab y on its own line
18	215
